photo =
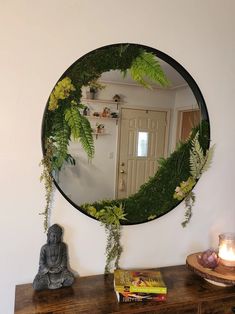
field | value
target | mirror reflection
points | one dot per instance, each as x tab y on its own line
148	126
141	108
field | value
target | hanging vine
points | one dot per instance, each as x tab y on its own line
47	180
110	217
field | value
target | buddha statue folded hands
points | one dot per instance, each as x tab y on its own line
53	272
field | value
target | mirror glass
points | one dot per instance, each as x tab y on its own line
134	127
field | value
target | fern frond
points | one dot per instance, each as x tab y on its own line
208	159
72	117
61	137
199	162
85	136
147	66
197	158
80	129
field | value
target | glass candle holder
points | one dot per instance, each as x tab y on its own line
227	249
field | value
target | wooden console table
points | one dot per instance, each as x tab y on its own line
187	294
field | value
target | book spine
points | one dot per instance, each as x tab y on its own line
125	298
160	290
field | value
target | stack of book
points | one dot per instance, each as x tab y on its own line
139	285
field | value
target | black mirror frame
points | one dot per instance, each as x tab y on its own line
181	70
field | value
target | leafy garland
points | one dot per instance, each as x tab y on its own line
110	217
63	121
47	179
199	163
155	197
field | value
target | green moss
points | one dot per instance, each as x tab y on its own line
155	197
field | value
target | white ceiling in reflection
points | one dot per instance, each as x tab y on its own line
176	80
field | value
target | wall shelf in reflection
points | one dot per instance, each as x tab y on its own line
96	134
103	101
102	118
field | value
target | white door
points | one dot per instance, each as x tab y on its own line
143	140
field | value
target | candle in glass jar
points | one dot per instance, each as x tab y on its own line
227	249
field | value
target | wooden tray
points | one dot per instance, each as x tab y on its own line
220	276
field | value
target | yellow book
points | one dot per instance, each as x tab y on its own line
147	281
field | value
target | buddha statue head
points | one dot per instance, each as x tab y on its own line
54	234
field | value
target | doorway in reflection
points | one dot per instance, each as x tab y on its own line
143	140
157	111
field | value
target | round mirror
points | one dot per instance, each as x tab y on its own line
119	123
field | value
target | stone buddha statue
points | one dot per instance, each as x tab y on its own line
53	272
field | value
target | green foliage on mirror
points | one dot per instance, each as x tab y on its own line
199	162
63	120
147	66
155	197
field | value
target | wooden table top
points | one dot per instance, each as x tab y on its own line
95	294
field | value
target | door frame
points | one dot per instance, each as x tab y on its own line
179	117
166	140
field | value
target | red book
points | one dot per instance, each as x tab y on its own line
125	297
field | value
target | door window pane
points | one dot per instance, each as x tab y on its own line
142	148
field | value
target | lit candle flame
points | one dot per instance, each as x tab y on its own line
226	253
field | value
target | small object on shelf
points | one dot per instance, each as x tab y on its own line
114	115
106	113
86	111
208	259
99	128
144	281
94	87
116	98
90	94
96	114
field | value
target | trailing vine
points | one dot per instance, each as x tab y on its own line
47	179
110	217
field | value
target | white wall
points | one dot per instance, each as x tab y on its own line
184	99
39	40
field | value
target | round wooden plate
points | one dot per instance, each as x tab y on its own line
221	275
